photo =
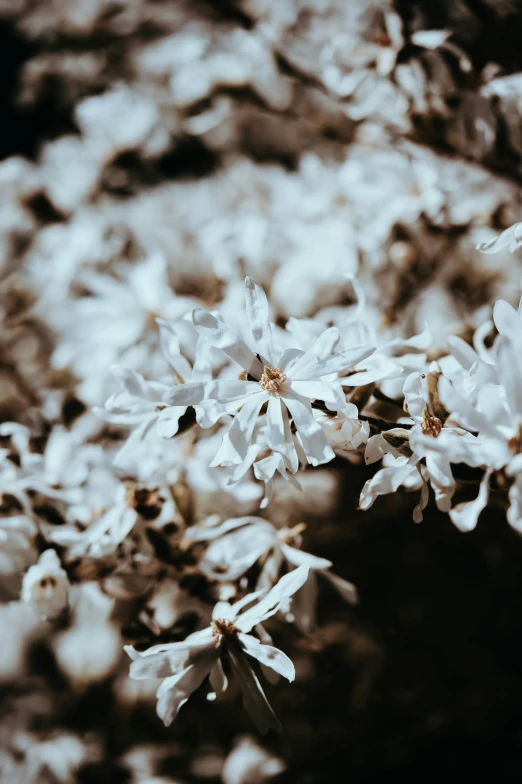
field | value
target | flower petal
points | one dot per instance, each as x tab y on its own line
199	534
268	655
236	441
510	372
218	680
191	394
506	318
160	665
298	558
169	343
270	604
386	481
313	438
216	332
258	319
465	516
254	698
346	590
318	352
330	392
174	692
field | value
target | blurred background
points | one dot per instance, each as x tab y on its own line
188	144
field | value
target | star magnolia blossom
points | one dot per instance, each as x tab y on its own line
497	419
424	452
183	666
237	544
285	382
141	401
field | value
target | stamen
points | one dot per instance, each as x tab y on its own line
430	425
223	628
272	380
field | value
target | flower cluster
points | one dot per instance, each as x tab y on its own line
244	289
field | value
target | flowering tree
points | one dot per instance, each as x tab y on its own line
257	279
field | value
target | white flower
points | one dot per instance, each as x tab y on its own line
141	402
497	419
431	439
237	544
46	585
286	382
183	666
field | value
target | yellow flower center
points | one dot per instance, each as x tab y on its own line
272	380
430	425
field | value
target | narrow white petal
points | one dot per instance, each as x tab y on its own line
506	318
219	335
191	394
202	370
463	353
386	481
237	440
375	368
134	383
269	656
465	516
456	404
275	428
304	605
168	421
508	363
258	318
196	534
159	665
318	352
418	517
174	692
270	604
298	558
330	392
169	343
254	698
313	438
346	590
218	680
340	362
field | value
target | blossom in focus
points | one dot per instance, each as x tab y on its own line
423	451
183	666
286	383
